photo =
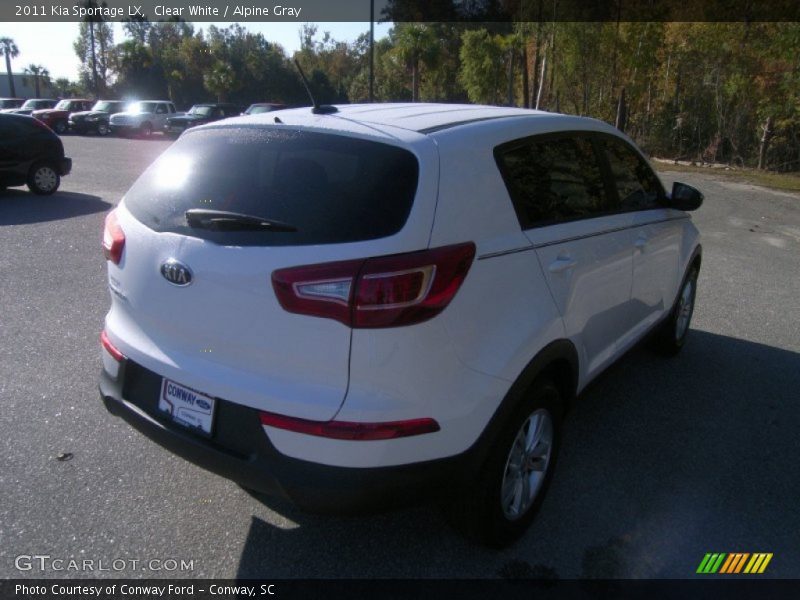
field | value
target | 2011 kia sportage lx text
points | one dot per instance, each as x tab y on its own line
350	308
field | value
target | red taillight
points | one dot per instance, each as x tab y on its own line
387	291
113	238
318	290
345	430
410	288
111	348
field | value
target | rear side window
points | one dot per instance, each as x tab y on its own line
10	128
331	188
553	179
18	127
637	186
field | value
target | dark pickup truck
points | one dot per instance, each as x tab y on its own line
96	119
199	114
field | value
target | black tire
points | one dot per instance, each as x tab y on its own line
671	335
60	127
103	129
145	130
479	510
43	179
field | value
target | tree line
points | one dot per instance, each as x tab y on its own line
718	92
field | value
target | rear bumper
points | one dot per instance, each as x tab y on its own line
65	166
239	450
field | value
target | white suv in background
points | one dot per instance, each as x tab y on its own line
142	118
350	308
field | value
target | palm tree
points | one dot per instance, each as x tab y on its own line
219	81
38	72
417	44
9	49
64	88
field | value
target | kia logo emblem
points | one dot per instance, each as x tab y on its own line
176	272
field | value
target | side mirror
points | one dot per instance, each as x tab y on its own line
685	197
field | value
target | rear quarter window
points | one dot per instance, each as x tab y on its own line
22	127
10	128
331	188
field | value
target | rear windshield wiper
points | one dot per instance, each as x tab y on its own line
223	220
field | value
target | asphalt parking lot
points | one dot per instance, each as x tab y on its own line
663	459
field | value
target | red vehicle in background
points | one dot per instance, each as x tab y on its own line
57	118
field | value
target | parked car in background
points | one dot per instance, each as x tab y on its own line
96	120
262	107
199	114
397	299
142	118
57	118
31	105
31	153
10	103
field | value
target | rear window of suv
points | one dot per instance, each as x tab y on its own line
330	188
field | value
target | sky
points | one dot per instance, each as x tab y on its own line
50	44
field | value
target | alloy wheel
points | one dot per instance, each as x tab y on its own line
526	465
685	307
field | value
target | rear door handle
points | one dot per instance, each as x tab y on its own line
640	243
561	264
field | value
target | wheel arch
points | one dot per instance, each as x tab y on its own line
558	361
49	161
694	262
696	257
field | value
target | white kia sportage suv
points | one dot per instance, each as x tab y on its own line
351	307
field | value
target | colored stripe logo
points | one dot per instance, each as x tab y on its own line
733	563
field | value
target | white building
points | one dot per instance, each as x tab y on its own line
25	86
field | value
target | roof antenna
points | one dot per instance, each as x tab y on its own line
318	109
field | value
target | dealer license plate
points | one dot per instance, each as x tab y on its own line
186	406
